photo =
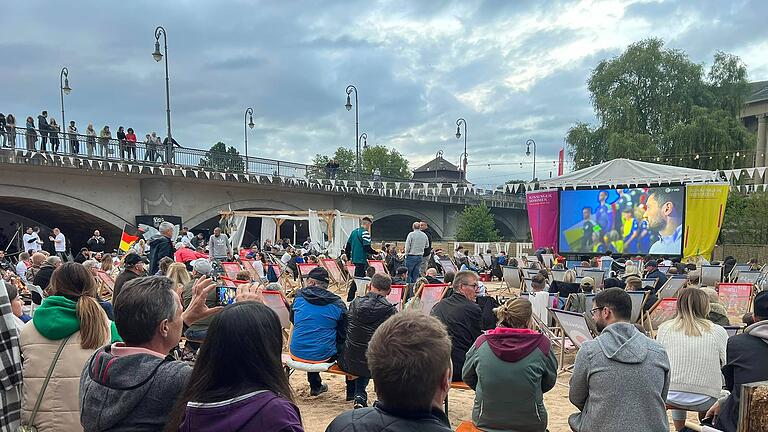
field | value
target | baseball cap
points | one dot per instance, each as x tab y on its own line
318	274
652	263
202	266
588	280
761	304
133	259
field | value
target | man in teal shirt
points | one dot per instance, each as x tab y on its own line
357	249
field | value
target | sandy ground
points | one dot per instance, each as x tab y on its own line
317	412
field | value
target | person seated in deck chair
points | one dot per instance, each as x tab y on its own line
319	318
461	316
621	378
511	357
410	361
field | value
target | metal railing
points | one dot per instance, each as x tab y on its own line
161	155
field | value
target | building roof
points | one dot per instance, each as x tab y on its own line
437	164
758	91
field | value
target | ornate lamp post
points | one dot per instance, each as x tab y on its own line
528	153
65	89
459	123
157	55
248	123
348	105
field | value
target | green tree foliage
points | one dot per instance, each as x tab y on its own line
221	158
654	103
389	162
746	219
476	224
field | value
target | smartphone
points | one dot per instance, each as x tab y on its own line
225	295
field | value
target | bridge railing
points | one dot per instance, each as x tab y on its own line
150	153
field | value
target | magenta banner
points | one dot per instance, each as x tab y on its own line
542	217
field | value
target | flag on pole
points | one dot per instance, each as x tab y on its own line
560	161
130	235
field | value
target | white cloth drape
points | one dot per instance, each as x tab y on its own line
268	230
342	228
316	229
238	230
480	248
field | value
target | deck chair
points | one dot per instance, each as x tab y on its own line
304	269
650	282
447	265
431	294
747	277
247	264
548	259
574	326
107	279
737	270
231	268
558	274
396	295
350	268
361	285
732	330
711	275
276	301
663	310
379	266
528	285
736	297
562	343
511	276
672	286
596	274
334	272
638	300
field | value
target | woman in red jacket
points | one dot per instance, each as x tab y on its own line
130	143
186	255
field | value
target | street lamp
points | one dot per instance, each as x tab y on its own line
248	123
459	123
65	89
348	105
157	55
528	153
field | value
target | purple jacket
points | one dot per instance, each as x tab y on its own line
256	411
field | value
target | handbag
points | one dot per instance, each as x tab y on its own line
30	427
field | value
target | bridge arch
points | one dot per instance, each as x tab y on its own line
201	217
404	218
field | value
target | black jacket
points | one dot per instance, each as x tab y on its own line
657	274
159	247
96	245
365	315
381	419
564	289
462	318
745	363
43	276
489	319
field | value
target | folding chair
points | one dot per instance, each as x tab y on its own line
379	266
350	268
511	276
596	274
447	265
558	274
748	277
231	268
247	264
574	326
396	295
276	301
431	294
334	272
528	284
107	281
638	300
563	344
650	282
361	286
736	297
672	286
711	275
304	269
663	310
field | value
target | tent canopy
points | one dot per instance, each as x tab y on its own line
627	172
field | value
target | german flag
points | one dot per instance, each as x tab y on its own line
130	235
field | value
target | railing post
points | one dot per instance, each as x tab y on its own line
278	168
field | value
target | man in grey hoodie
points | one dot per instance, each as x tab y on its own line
621	378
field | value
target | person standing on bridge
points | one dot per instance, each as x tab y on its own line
74	144
161	246
121	143
130	143
415	245
42	125
90	140
357	249
31	134
104	137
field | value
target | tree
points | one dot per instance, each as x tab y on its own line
654	103
746	219
221	158
476	224
389	162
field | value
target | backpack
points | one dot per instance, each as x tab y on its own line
271	275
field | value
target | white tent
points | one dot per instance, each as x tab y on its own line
627	172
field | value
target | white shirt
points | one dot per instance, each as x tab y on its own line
60	243
285	258
31	241
540	302
259	267
668	245
21	270
186	240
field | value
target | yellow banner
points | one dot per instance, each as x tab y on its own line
704	212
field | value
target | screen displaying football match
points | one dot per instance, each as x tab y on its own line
637	221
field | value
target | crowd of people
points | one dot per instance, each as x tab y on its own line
48	136
158	351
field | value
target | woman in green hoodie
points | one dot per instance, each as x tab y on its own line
71	318
510	368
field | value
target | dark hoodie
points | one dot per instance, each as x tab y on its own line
366	314
463	319
620	382
510	370
159	246
256	411
134	392
319	320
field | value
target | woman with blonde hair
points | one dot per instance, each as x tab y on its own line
510	368
177	272
696	350
67	328
414	302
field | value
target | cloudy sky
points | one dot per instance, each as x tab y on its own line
513	69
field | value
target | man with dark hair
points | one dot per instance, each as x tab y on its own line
401	276
132	385
745	363
664	213
621	378
366	314
357	249
319	318
409	357
461	316
133	267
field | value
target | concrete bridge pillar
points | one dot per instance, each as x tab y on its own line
156	197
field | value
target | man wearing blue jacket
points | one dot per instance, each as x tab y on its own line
319	325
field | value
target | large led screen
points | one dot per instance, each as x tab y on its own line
638	221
